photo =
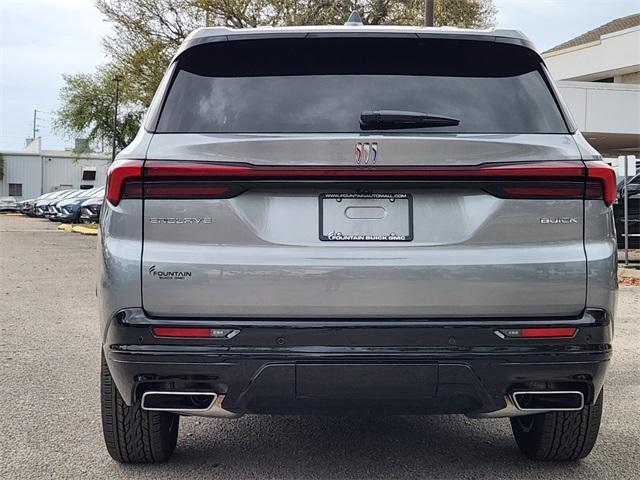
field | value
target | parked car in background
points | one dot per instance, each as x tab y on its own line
90	209
633	204
8	204
23	205
68	209
53	211
41	207
28	206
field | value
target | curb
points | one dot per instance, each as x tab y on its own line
84	230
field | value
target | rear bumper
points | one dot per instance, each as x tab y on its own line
329	366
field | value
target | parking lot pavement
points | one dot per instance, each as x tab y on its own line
50	416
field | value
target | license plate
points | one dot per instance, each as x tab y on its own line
374	217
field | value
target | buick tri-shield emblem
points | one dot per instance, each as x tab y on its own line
366	153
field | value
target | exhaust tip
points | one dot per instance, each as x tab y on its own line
557	401
187	402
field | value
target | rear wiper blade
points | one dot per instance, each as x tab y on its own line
392	119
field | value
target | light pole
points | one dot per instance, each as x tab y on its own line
117	79
428	13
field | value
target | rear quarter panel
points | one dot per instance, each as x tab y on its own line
120	246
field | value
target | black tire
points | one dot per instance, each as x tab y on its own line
133	435
558	436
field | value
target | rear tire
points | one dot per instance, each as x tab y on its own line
558	436
133	435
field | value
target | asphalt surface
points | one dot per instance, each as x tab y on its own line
50	416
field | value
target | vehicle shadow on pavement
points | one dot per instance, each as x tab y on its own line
362	447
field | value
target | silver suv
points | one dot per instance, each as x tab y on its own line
327	220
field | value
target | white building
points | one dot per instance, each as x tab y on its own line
598	74
31	172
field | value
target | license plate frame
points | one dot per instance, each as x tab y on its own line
326	235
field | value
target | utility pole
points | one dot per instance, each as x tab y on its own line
35	120
428	13
116	79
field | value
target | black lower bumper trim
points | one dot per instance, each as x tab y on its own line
458	366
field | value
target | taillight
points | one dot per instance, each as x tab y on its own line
176	180
193	190
539	190
156	170
180	180
120	174
601	182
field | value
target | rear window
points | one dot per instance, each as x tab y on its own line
323	85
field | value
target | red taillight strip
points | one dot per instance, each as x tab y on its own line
531	191
559	170
131	172
182	190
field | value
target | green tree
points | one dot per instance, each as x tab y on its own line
148	32
88	106
146	35
253	13
465	13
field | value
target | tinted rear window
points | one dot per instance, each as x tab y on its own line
323	85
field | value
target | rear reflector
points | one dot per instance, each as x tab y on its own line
194	332
181	332
179	180
547	332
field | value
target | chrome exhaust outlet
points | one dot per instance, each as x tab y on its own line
548	401
201	404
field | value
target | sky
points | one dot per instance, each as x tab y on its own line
42	39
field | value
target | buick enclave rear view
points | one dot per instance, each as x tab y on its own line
337	220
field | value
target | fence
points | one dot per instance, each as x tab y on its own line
629	223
